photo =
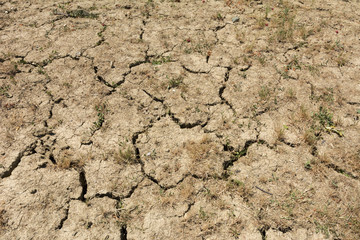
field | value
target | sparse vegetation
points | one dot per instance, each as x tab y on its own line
4	90
200	150
324	117
290	94
240	187
81	13
219	117
3	220
160	60
126	155
264	93
175	82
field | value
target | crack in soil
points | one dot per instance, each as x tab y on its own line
47	145
194	72
285	229
111	195
188	209
148	176
29	149
262	231
61	224
123	232
341	171
83	183
222	89
52	159
238	154
43	165
153	97
108	195
187	125
293	145
124	75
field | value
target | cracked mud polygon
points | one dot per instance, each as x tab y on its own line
180	119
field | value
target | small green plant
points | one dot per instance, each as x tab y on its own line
264	93
202	214
238	183
290	94
324	229
81	13
294	64
307	165
126	155
101	109
314	71
285	24
41	71
93	7
175	82
261	58
328	95
160	60
22	61
341	60
284	74
324	117
218	17
49	93
4	90
267	11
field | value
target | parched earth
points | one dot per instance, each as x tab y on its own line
180	119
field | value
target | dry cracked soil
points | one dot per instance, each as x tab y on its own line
180	119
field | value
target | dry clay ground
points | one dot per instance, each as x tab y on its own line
180	119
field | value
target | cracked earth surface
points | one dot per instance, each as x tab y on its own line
179	119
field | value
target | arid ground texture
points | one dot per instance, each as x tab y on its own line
180	119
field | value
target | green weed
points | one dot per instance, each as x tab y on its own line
264	93
101	109
160	60
81	13
4	90
175	82
324	117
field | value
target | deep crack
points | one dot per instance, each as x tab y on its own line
187	125
123	232
341	171
262	231
223	100
29	149
108	194
285	229
238	154
83	183
61	224
188	209
153	97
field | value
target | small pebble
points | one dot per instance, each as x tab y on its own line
235	19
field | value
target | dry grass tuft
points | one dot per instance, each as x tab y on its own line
201	150
126	154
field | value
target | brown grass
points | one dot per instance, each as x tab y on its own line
3	220
200	150
126	155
